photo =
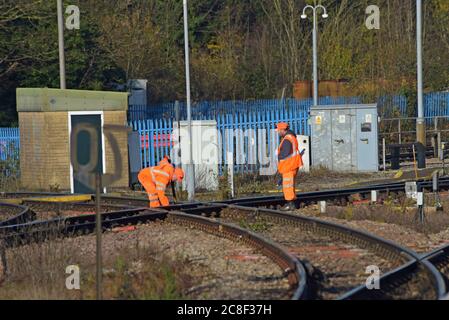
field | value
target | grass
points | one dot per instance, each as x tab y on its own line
388	213
37	271
257	226
9	175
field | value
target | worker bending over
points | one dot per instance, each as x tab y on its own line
290	161
156	179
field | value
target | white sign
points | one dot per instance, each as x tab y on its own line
369	118
342	119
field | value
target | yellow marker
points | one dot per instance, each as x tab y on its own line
71	198
11	201
399	174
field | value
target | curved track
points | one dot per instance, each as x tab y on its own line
33	231
425	276
426	281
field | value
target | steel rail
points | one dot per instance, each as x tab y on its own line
24	214
82	225
341	195
395	279
383	247
293	268
278	200
440	259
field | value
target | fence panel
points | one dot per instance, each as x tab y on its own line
155	139
209	110
9	144
248	136
256	119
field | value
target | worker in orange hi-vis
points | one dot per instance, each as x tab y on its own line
156	179
290	161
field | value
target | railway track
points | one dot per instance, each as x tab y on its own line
440	259
11	214
340	254
410	276
66	226
338	197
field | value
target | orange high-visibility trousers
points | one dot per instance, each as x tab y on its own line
157	197
288	185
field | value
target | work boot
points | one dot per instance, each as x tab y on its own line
290	206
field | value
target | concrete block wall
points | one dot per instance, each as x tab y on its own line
45	150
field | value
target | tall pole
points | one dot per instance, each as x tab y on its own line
315	45
190	167
98	228
420	125
61	45
315	59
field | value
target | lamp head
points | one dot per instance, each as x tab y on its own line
303	16
325	15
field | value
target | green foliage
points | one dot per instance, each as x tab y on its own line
240	49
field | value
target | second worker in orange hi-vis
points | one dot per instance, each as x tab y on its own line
290	161
156	179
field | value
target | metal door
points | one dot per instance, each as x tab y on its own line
321	138
83	147
367	148
341	140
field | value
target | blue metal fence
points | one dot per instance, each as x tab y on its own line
209	110
436	104
157	126
249	136
244	134
155	139
9	144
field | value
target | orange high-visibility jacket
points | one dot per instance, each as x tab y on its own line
294	160
161	175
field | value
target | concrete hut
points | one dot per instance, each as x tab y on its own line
46	120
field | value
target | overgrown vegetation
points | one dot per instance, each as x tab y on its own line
37	271
240	49
403	214
10	174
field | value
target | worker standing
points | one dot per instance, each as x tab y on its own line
156	179
289	162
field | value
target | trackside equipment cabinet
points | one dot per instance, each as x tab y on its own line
345	137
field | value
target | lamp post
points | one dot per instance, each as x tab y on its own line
314	9
190	167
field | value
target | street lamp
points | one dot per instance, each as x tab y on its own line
315	42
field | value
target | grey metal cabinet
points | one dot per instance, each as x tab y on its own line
345	138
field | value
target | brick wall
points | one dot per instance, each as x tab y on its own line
58	159
45	149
